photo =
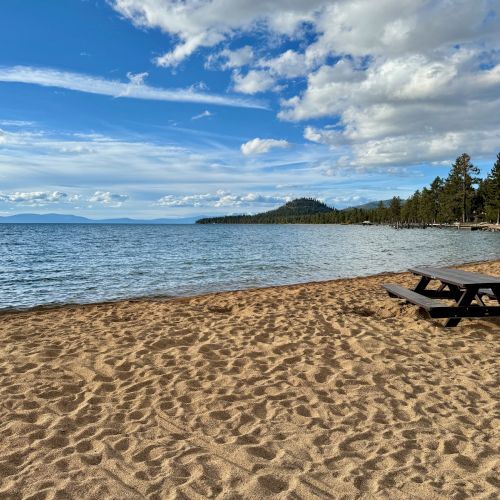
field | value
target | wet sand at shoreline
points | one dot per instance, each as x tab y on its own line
318	390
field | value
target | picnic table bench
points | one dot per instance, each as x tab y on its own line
461	286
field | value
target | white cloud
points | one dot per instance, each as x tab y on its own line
259	146
206	24
412	73
228	59
16	123
289	64
134	89
404	111
253	82
34	198
43	162
355	27
137	78
221	199
391	28
42	198
204	114
108	199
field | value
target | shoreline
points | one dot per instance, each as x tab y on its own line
163	298
292	391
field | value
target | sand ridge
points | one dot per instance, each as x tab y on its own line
322	390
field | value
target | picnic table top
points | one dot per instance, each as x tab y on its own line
456	277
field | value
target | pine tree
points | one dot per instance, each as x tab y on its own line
492	192
436	190
426	207
395	209
459	186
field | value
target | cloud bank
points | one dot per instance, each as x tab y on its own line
402	81
221	199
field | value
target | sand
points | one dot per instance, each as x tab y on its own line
322	390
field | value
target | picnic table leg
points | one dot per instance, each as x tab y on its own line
456	292
496	292
424	281
464	301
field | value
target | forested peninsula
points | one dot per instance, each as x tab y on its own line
462	197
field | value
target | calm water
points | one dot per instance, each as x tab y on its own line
61	263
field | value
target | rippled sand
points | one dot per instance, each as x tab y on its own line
323	390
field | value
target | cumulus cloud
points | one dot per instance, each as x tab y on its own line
221	199
354	27
228	59
35	198
107	198
403	111
135	88
206	24
258	146
394	76
42	198
253	82
289	64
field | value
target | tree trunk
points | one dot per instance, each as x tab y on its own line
464	200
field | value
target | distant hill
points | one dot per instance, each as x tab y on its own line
75	219
299	211
311	211
373	204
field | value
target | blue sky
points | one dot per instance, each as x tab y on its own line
155	108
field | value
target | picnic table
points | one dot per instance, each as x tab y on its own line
467	289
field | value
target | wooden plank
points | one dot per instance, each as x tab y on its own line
486	291
439	294
456	276
415	298
465	312
437	309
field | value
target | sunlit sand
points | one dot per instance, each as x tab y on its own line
318	390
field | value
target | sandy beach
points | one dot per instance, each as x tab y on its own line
321	390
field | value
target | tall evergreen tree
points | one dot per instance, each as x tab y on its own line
426	207
460	185
395	209
492	192
436	190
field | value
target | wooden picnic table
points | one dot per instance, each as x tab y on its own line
463	287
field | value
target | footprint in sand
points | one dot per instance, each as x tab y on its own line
272	483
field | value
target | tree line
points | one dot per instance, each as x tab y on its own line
461	197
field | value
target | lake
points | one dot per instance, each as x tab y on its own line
43	264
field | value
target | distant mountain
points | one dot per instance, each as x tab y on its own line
301	211
373	204
75	219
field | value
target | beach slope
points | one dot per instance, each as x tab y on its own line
321	390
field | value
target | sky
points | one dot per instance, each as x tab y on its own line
162	108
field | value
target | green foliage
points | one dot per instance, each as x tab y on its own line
458	188
395	209
491	193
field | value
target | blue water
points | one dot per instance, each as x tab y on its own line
44	264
